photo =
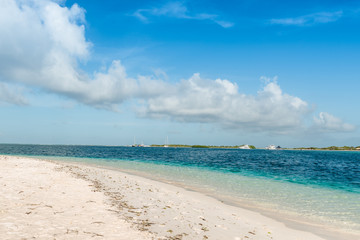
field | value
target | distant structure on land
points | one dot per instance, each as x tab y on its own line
272	147
246	146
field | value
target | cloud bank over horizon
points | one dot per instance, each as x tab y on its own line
42	46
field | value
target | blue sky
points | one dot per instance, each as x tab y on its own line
199	72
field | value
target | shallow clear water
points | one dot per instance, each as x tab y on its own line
321	186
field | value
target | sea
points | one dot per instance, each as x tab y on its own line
316	188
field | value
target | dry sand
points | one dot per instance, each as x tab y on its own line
56	200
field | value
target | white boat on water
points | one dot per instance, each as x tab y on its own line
134	145
139	145
166	142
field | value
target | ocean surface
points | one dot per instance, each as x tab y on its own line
315	186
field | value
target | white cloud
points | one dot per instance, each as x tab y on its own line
37	37
180	11
11	94
219	101
311	19
41	44
328	123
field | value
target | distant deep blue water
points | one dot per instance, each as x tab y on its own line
318	184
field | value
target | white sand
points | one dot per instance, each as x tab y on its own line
46	200
38	202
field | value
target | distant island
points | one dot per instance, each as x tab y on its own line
200	146
332	148
344	148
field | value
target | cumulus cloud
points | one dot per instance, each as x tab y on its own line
329	123
219	101
180	11
310	19
41	44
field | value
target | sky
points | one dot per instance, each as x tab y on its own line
196	72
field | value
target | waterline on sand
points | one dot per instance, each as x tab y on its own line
310	205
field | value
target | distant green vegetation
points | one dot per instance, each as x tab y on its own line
334	148
252	147
199	146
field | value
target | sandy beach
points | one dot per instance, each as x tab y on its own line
41	199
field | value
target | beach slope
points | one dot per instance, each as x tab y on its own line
57	200
39	202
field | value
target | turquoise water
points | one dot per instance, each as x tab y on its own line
317	186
